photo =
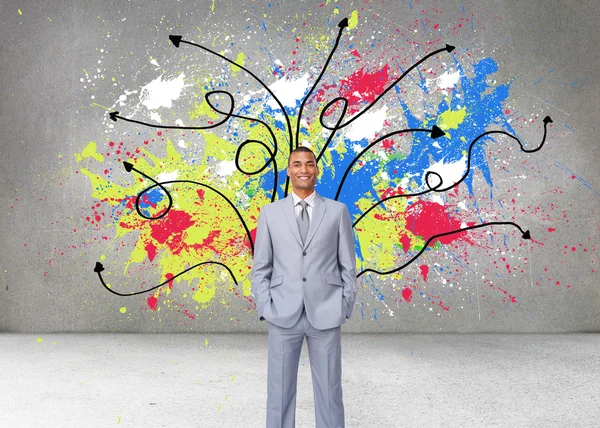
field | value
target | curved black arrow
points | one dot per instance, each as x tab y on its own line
342	24
525	235
114	115
547	120
99	268
437	188
435	133
130	167
177	40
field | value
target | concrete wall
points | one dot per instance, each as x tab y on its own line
69	203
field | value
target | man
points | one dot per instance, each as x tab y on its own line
304	284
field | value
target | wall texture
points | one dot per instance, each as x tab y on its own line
495	100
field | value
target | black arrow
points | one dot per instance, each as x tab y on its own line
99	268
525	235
115	114
435	133
175	40
342	24
437	187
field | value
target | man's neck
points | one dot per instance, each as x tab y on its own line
303	194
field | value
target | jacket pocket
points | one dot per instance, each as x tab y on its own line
335	280
278	280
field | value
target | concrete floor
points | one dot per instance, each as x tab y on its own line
219	380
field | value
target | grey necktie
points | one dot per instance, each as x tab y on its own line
303	220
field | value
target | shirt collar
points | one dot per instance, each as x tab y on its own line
310	199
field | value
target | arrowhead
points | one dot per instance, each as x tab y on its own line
113	115
128	166
175	40
526	235
449	48
436	132
343	23
98	268
547	119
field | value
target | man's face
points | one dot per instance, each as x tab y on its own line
303	171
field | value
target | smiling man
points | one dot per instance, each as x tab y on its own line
304	283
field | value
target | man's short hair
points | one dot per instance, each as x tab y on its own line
302	149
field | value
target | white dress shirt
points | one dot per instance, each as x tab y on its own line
310	200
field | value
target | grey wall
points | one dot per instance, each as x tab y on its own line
65	65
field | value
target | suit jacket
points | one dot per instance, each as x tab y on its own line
321	274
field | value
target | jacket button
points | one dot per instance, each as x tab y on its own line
304	279
304	253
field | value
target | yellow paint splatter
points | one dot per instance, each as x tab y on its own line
451	119
123	310
206	342
353	21
39	340
239	60
89	152
20	13
212	8
204	294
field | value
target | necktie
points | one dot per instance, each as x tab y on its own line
303	221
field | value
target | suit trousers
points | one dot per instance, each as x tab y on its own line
325	354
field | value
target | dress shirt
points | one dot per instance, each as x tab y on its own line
310	200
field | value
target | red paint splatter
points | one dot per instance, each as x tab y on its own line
151	250
152	302
424	271
551	229
169	276
170	229
359	88
405	241
355	53
407	294
427	219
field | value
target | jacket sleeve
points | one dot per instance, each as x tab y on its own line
262	267
347	260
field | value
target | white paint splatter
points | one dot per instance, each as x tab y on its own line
155	117
367	125
448	80
226	168
288	91
162	93
167	176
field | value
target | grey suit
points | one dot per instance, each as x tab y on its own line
304	290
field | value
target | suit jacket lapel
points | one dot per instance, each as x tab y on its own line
316	218
289	212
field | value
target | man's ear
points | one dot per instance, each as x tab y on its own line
287	170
